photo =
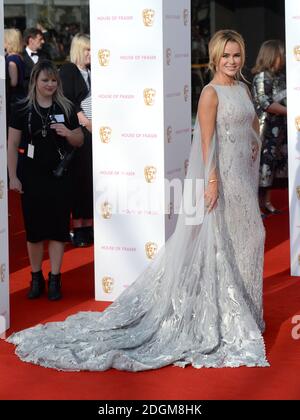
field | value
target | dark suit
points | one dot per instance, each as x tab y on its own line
75	89
29	66
73	84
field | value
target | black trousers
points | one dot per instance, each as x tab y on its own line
82	180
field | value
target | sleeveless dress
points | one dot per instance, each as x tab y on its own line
200	301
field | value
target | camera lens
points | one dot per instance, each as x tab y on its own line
52	119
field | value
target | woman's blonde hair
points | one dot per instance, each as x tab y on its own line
79	43
13	41
217	46
267	57
49	68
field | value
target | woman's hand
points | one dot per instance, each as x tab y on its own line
84	121
15	185
211	196
89	126
74	137
61	129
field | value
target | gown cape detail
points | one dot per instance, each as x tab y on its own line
199	302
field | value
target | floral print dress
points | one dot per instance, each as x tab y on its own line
266	89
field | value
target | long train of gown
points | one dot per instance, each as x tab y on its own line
200	301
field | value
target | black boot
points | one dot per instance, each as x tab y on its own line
87	233
37	285
54	286
79	238
90	235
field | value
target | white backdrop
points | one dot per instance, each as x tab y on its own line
292	17
141	131
4	271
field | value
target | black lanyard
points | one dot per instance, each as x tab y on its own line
50	115
29	124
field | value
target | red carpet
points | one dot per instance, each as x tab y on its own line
282	301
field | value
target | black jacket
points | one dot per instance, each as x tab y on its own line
29	66
74	86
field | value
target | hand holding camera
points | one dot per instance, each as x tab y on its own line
60	129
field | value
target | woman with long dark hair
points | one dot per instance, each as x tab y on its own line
49	124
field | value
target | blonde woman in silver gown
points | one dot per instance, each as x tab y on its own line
199	302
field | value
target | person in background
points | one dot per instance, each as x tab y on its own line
15	68
269	93
76	82
51	48
32	53
48	122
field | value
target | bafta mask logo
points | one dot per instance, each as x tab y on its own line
106	210
297	122
185	17
2	273
150	174
151	249
148	17
149	96
186	166
186	92
171	210
297	52
298	192
169	134
108	284
104	57
1	189
105	134
168	56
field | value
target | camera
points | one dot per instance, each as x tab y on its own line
64	163
52	119
68	156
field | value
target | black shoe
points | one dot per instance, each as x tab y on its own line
79	238
54	286
71	236
37	285
89	235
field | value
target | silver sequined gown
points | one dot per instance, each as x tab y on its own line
200	301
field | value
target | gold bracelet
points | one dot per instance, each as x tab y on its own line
212	180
